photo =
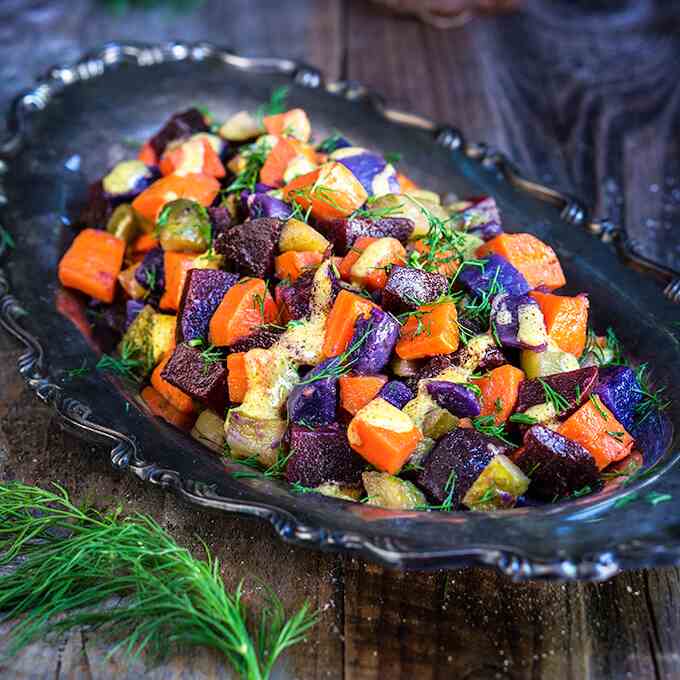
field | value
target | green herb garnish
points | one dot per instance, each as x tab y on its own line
125	364
652	400
393	157
277	103
487	425
558	401
522	418
209	356
582	492
78	372
596	404
69	560
654	497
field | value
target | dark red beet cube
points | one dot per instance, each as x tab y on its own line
201	379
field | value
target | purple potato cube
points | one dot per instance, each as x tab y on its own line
396	393
251	247
371	169
492	357
344	232
180	126
557	466
478	279
482	219
151	272
203	380
262	205
203	291
619	390
460	400
314	401
322	455
380	332
518	322
454	464
408	288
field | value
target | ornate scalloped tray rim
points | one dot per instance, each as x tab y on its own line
125	455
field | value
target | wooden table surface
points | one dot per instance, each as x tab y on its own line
582	96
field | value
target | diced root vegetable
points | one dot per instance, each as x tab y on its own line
347	308
291	265
500	389
92	264
298	236
383	435
181	401
566	320
387	491
358	390
237	380
549	361
595	428
209	430
429	331
529	255
498	486
246	437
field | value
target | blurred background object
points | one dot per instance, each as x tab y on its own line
449	13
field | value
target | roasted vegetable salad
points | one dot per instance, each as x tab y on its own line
304	307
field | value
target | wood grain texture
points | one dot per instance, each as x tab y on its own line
585	100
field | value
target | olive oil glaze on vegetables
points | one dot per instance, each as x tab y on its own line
309	310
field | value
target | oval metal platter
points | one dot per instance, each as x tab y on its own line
77	121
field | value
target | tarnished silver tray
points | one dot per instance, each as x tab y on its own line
68	129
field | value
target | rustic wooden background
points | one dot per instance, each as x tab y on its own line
584	96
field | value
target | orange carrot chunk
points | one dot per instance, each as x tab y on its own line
244	307
358	390
405	183
500	389
293	123
347	308
199	188
533	258
176	267
182	402
566	320
596	429
144	243
383	435
292	264
446	261
354	253
277	161
370	269
431	330
92	264
237	379
196	155
332	191
161	407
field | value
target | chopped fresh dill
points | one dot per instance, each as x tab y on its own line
342	364
254	155
277	103
301	488
159	595
124	365
625	500
596	403
487	426
6	240
196	342
330	144
654	497
447	504
488	495
652	400
393	157
616	435
629	470
82	370
522	419
533	469
582	492
377	213
209	356
412	467
558	401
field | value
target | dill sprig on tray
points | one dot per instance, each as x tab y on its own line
652	400
277	103
125	365
69	560
255	155
487	425
558	401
